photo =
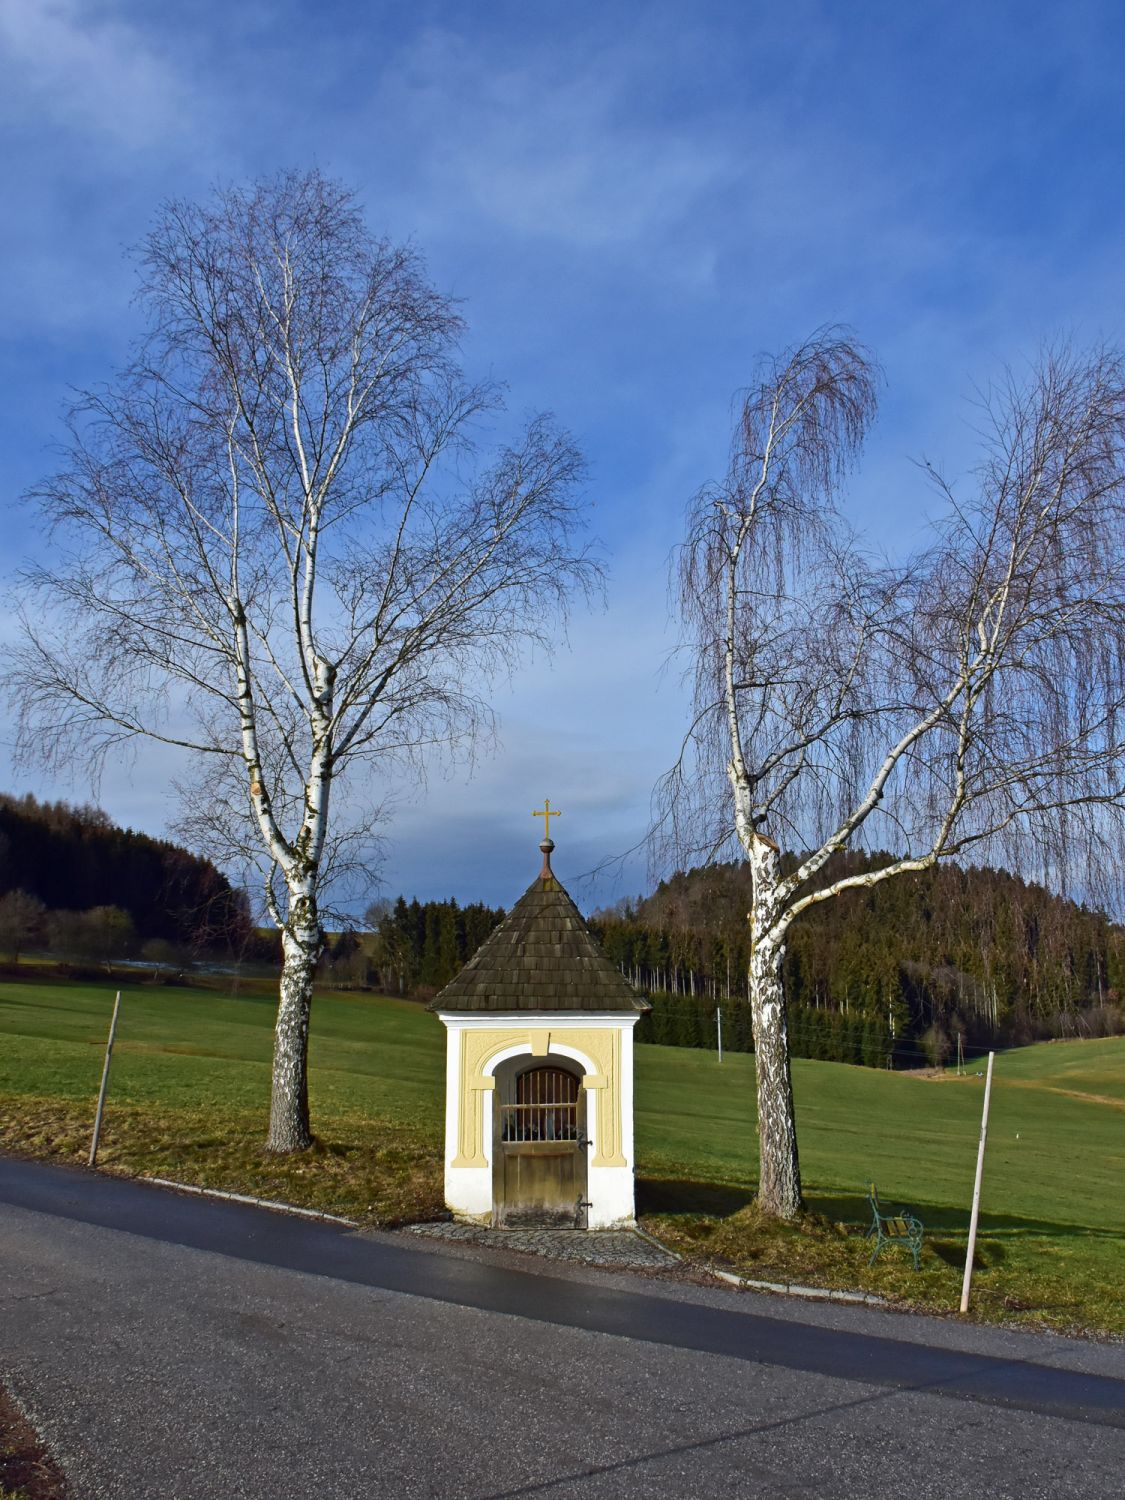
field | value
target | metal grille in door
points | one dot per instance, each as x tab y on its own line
546	1107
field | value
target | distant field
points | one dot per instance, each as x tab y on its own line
190	1087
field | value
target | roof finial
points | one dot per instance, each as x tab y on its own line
546	812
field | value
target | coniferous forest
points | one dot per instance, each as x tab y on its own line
419	946
890	976
59	864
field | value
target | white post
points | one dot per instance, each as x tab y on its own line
719	1028
976	1191
105	1081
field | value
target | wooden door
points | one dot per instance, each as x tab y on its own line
539	1172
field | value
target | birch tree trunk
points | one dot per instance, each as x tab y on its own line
302	941
779	1183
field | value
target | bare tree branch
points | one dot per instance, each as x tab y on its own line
272	558
971	698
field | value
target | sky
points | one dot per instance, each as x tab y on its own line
633	202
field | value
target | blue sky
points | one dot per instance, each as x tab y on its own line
633	201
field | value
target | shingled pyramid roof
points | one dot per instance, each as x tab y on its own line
541	957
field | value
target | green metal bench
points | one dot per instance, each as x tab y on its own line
897	1228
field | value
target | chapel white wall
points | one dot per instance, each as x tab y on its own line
611	1189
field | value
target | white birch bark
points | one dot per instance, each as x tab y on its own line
779	1179
302	943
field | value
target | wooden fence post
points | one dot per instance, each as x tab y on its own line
105	1081
966	1283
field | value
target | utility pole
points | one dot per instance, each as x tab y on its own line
719	1029
966	1283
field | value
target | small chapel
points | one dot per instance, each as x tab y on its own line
539	1071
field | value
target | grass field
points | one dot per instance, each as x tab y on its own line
190	1084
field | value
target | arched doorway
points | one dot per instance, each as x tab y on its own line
539	1145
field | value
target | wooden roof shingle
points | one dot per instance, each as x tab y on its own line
542	957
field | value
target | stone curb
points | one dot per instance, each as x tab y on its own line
285	1208
786	1289
644	1234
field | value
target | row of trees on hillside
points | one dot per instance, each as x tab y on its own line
411	948
828	1036
943	951
73	860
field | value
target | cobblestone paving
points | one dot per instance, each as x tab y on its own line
600	1247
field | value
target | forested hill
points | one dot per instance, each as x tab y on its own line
74	858
971	950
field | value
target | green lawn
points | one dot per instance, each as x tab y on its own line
1056	1143
190	1088
1052	1238
190	1085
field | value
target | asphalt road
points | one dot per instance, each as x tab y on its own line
178	1347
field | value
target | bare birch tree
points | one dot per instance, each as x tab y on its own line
279	552
969	699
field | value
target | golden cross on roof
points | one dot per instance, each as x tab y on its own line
546	812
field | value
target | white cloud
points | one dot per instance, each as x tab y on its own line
86	67
546	147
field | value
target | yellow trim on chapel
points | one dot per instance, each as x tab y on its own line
478	1047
